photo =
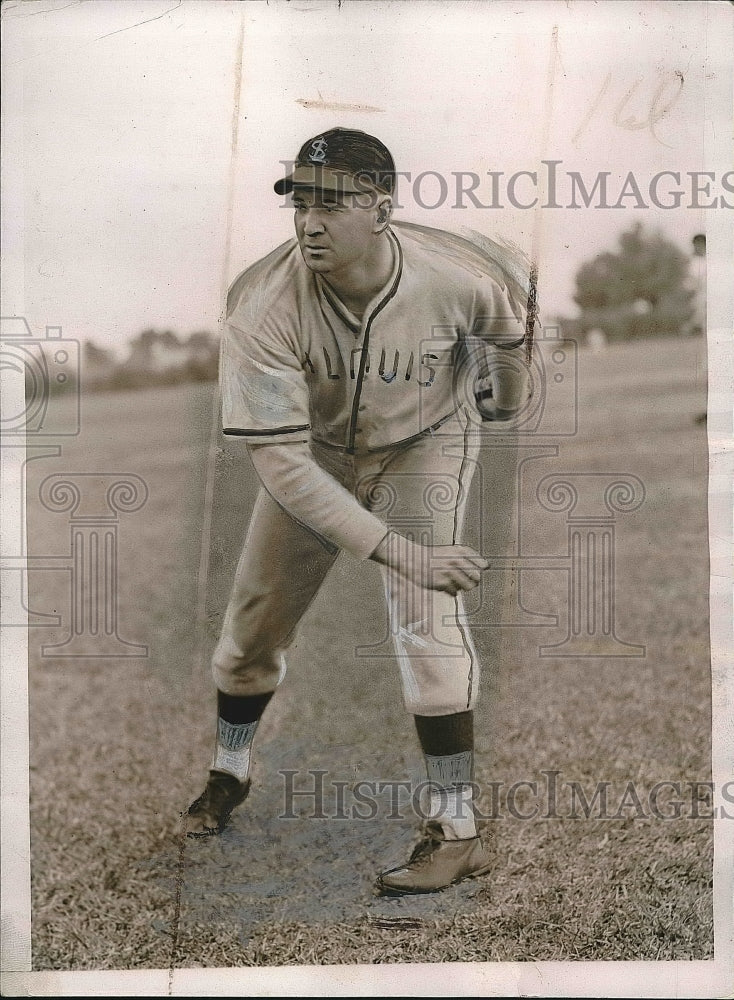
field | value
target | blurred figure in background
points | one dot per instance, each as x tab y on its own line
698	273
697	326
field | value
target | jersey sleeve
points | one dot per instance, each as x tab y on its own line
263	386
496	348
498	318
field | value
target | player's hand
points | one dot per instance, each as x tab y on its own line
449	568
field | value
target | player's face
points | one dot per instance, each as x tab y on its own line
334	232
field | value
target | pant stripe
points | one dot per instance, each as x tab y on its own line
469	647
458	519
459	509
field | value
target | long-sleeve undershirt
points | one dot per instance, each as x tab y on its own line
314	497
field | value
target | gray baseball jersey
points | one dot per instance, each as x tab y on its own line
297	364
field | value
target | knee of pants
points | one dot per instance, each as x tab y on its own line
451	695
439	666
437	678
246	671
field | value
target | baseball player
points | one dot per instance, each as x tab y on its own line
339	367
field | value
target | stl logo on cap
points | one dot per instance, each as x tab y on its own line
318	147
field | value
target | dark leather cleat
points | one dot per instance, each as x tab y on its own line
208	815
435	864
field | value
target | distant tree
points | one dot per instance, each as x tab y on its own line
97	357
98	365
148	351
140	357
642	290
202	364
155	358
167	338
202	340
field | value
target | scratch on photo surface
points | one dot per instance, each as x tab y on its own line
337	106
46	10
176	912
139	23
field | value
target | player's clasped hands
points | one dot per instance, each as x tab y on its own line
449	568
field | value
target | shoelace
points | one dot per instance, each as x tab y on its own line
424	850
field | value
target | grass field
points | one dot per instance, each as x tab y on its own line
119	747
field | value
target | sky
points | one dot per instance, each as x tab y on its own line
140	150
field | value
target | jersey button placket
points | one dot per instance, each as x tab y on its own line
362	406
363	421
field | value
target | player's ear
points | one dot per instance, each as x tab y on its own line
383	214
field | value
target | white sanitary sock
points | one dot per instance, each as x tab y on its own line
232	753
452	808
450	799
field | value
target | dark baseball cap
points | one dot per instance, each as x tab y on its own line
343	160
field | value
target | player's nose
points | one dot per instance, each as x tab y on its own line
313	227
312	222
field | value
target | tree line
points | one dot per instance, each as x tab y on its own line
154	358
647	286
